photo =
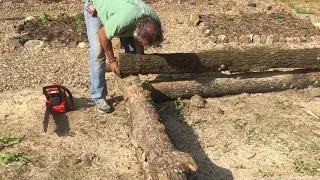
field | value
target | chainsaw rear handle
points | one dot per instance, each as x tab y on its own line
71	104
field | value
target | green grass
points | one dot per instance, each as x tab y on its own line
44	17
301	10
279	16
7	157
309	168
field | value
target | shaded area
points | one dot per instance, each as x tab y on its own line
185	140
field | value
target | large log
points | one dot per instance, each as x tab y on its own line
215	85
233	59
158	156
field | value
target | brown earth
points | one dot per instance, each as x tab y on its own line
248	136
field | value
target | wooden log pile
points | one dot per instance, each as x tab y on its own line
157	155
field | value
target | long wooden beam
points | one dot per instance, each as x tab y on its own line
233	59
213	85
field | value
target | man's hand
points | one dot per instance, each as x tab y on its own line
114	66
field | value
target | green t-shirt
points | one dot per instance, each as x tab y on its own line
120	16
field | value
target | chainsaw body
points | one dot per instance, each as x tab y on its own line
58	99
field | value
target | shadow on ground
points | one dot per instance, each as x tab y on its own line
185	140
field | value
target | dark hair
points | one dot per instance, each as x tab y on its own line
156	37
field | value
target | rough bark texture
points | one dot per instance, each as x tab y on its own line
158	156
220	85
235	60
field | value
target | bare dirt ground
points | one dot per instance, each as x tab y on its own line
246	136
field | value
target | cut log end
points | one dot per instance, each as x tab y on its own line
172	165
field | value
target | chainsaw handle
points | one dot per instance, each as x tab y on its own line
71	107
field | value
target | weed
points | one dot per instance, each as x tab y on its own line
44	17
284	102
80	21
179	105
228	18
279	16
305	27
315	147
274	30
61	19
145	85
300	10
7	158
10	141
310	168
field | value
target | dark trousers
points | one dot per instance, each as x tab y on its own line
128	44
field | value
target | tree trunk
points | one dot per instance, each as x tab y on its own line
159	158
220	85
234	60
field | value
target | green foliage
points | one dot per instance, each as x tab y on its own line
44	17
300	10
7	158
274	30
310	168
61	19
10	141
81	25
145	85
305	27
279	16
228	18
179	105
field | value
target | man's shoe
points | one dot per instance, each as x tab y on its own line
103	106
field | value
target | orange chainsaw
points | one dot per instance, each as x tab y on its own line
58	100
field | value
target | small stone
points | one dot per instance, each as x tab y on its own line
213	38
243	39
195	19
276	37
222	39
290	40
282	39
83	45
256	39
297	39
313	39
269	39
29	18
252	3
234	38
250	38
12	44
263	38
207	32
197	101
303	39
317	38
34	44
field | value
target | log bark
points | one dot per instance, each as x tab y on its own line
235	60
219	85
158	156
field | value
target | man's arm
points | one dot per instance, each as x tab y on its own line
106	44
108	50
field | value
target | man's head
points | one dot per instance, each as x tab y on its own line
148	31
